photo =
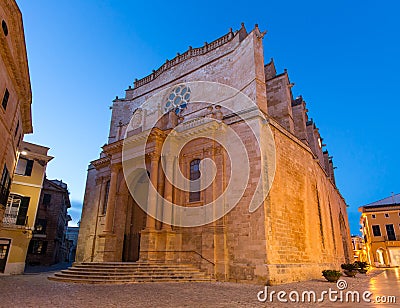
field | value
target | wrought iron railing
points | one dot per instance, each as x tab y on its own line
10	219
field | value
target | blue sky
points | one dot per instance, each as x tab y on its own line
343	57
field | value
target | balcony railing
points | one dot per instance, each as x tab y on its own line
10	219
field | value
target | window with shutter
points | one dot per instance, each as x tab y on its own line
5	184
29	167
23	211
24	167
46	199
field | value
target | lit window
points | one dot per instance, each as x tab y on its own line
38	247
40	226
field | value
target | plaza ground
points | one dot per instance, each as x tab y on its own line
35	290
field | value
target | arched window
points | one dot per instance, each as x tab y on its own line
105	201
194	194
5	28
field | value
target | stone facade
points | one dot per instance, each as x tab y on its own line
301	227
15	94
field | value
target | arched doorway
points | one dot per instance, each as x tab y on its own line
135	222
381	257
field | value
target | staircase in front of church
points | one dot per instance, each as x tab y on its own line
132	272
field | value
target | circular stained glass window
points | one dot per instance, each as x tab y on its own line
178	99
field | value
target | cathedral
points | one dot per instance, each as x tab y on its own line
211	161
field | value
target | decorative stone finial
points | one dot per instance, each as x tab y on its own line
256	26
190	47
242	24
129	87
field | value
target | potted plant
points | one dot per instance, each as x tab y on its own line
349	269
331	275
362	267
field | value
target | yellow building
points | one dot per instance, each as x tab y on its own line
380	223
359	249
20	212
15	94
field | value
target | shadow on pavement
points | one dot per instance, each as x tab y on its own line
29	269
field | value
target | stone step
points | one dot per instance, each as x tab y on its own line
123	272
112	272
104	281
126	277
131	266
127	264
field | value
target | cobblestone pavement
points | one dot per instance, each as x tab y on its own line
34	290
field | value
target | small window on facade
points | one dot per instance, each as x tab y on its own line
386	215
46	199
16	130
391	235
6	96
5	184
194	194
24	167
4	26
37	247
106	198
376	229
40	226
373	216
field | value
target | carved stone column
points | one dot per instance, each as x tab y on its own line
152	197
168	192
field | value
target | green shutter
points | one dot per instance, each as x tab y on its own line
23	211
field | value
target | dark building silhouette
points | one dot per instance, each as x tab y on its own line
49	245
